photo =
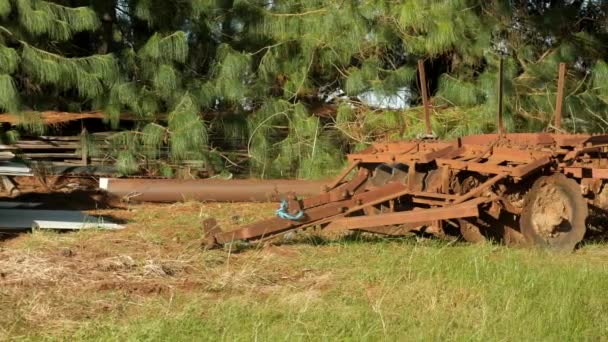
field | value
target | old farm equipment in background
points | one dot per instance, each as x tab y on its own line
520	188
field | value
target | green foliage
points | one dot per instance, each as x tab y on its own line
5	8
56	21
307	151
170	48
457	92
126	163
153	137
232	73
440	27
188	131
361	79
9	60
32	122
87	75
207	79
8	94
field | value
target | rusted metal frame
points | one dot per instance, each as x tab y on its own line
481	155
430	156
348	189
480	189
478	167
425	153
318	212
495	161
576	172
387	192
519	139
507	206
434	195
363	200
425	99
445	179
462	210
375	158
314	216
420	157
276	225
339	193
410	149
524	170
517	171
411	176
559	101
574	140
433	202
583	172
465	152
398	147
343	175
501	128
581	150
521	156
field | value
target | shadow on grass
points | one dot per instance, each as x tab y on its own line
74	200
353	238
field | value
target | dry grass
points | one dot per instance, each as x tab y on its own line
154	281
52	281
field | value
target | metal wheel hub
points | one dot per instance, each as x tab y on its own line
555	213
552	212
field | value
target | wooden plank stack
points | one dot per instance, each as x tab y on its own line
58	149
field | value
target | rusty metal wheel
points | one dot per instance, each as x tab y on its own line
472	230
554	213
380	176
501	226
487	228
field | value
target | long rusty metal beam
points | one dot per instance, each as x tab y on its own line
421	216
208	190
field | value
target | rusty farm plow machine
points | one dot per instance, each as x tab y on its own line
519	188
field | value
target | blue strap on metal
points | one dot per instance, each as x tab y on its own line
285	215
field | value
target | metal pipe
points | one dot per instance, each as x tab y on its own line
559	101
501	127
208	190
425	98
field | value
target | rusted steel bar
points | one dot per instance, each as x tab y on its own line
480	189
467	209
425	98
208	190
559	102
501	127
277	225
314	216
343	175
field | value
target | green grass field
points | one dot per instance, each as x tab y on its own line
152	281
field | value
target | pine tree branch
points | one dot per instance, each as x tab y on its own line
7	31
317	11
259	126
271	46
580	84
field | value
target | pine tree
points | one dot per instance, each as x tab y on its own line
216	80
38	59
